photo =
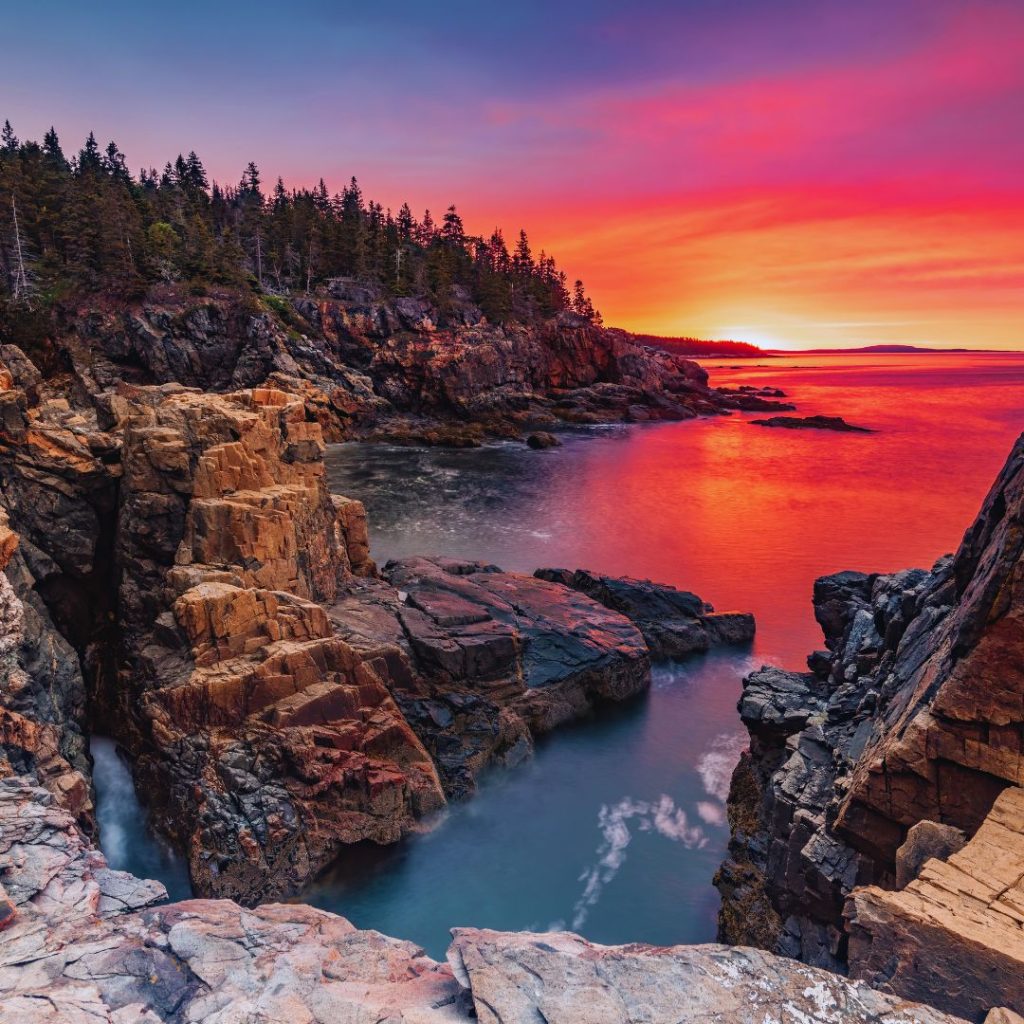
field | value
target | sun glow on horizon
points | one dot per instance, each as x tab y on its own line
830	175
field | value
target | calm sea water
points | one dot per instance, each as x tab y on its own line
616	827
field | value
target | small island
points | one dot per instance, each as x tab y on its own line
812	423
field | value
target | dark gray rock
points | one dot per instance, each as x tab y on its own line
674	623
913	715
810	423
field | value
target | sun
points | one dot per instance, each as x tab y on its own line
753	336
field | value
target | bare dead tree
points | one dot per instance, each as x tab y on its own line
259	257
21	282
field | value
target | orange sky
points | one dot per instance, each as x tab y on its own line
788	270
788	172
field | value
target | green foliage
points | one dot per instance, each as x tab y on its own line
87	225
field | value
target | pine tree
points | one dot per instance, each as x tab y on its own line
89	160
452	230
52	150
114	164
427	232
522	259
8	140
406	223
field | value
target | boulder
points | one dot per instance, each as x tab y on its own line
542	439
926	840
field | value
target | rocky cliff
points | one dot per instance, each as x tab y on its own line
180	577
913	713
398	369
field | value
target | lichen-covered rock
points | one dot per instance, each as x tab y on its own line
87	945
522	978
673	622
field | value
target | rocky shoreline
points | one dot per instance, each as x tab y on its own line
177	575
398	370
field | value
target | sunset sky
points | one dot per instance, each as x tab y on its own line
788	173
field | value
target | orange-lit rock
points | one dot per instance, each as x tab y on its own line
954	937
265	741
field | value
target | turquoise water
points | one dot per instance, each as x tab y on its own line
616	827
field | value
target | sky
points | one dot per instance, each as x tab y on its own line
795	173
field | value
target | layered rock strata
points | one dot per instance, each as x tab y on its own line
914	712
489	659
954	936
81	944
265	741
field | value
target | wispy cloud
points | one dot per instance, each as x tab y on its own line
715	766
661	816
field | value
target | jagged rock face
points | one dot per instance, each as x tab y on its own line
913	713
81	944
399	369
222	342
264	741
42	693
489	659
674	623
278	698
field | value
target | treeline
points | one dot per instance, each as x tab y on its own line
81	224
700	347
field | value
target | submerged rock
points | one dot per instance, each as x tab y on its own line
542	439
673	622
